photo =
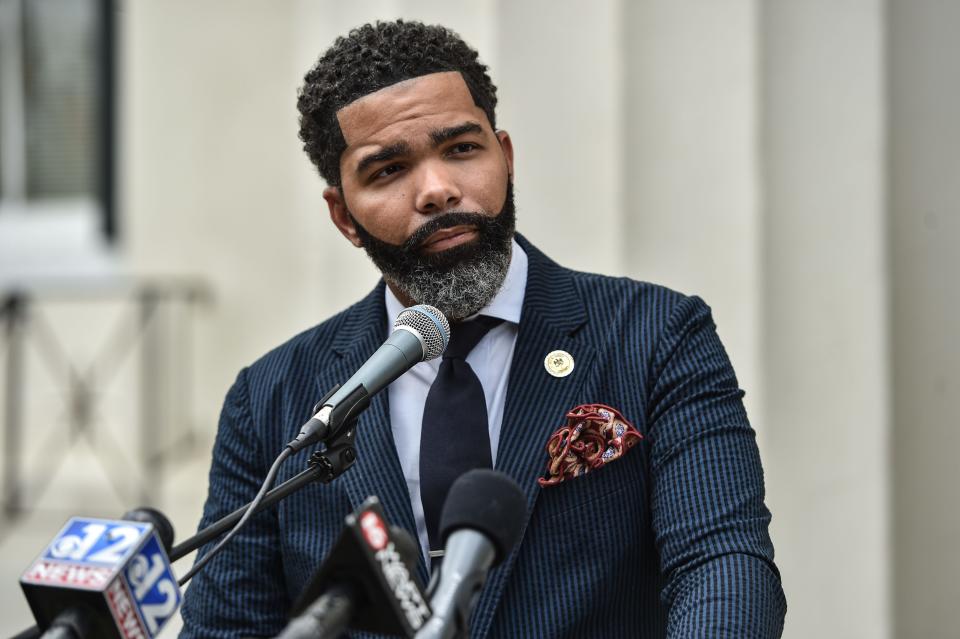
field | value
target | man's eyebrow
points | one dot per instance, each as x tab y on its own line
439	136
386	153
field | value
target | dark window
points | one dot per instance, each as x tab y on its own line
56	105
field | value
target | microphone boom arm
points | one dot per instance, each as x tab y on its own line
324	466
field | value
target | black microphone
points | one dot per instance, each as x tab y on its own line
364	584
161	524
481	522
421	333
104	578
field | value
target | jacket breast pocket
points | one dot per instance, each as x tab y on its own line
592	494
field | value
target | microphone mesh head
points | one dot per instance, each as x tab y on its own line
430	324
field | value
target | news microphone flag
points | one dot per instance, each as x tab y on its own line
370	561
116	571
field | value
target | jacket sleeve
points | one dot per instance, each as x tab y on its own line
241	592
709	519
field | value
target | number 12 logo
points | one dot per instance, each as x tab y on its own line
153	586
95	541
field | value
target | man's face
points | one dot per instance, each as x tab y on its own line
424	182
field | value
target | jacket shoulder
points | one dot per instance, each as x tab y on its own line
626	301
602	296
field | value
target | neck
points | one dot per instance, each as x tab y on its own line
403	297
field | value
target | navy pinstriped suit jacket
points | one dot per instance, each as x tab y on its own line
670	540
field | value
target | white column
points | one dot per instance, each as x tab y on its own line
925	235
689	158
560	80
825	354
209	148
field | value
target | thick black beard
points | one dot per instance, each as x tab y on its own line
459	281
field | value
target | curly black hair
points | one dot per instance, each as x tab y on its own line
371	58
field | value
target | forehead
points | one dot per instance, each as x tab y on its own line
394	112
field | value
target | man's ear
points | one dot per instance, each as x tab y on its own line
506	144
338	213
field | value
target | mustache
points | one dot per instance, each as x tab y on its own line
444	221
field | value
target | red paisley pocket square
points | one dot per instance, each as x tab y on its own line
594	435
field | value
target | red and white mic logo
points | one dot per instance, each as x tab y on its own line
374	531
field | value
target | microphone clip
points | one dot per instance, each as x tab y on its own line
338	453
337	456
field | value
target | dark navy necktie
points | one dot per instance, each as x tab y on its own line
455	437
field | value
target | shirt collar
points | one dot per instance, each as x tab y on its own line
506	304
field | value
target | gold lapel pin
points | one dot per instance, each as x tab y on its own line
559	363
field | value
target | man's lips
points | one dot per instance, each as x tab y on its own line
449	238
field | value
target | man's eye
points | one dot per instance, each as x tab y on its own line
463	147
387	171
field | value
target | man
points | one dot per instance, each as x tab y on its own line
667	538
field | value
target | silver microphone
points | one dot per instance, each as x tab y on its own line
421	333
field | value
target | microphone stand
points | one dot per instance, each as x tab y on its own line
324	466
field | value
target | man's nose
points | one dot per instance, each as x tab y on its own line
436	188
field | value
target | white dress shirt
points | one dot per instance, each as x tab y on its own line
490	360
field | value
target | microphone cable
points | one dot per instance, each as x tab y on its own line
251	508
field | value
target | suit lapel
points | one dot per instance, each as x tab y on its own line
377	470
536	401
